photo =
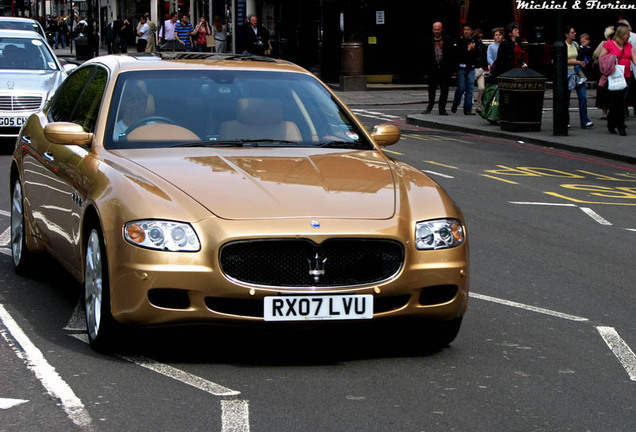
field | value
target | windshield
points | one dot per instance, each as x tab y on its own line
226	109
25	54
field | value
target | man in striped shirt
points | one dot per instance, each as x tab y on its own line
183	32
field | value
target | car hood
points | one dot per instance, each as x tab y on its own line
28	81
259	184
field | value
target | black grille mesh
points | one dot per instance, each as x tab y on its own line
287	263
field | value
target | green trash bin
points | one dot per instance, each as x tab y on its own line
521	93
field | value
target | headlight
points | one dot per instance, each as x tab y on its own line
162	235
438	234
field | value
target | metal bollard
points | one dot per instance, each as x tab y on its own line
560	92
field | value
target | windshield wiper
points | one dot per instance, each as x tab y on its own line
340	144
237	143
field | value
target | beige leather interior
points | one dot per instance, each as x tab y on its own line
259	119
162	132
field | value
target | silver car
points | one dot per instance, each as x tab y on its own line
29	75
18	23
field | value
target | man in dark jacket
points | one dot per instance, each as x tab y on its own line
466	61
438	67
254	38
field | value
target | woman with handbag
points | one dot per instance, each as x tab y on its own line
617	81
200	32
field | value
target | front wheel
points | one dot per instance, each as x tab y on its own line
19	250
100	323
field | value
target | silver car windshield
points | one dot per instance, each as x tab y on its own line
25	54
226	108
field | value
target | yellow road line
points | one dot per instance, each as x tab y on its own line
392	152
554	194
441	164
500	179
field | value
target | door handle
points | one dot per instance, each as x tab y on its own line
49	156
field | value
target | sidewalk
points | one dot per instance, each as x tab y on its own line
596	141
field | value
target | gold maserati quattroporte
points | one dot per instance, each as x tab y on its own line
203	188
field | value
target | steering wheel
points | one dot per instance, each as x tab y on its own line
147	120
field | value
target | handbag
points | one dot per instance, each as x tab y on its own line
490	100
616	81
209	40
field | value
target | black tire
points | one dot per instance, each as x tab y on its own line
101	326
444	332
22	257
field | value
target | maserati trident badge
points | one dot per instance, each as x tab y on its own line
10	84
316	267
315	224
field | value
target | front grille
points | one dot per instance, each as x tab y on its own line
302	263
20	103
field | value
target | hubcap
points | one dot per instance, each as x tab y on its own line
17	224
93	291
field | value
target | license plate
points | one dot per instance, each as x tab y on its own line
12	121
308	308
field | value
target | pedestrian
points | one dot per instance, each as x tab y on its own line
151	45
201	31
573	80
183	32
466	60
630	96
219	30
498	36
481	65
143	33
255	38
602	94
510	54
438	67
166	34
62	31
585	55
620	47
125	33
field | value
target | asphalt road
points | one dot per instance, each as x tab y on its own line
547	344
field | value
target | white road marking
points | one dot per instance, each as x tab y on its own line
631	229
438	174
235	416
378	116
181	376
542	204
46	373
6	403
591	213
5	213
234	411
5	237
621	350
528	307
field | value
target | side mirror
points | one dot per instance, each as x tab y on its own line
385	134
68	67
67	134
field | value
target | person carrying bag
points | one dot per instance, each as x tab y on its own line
622	50
201	32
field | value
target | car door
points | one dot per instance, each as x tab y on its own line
80	104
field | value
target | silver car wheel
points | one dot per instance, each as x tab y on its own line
93	285
17	224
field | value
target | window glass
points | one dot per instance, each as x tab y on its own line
87	108
68	94
206	107
25	54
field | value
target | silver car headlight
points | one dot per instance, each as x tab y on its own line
162	235
439	234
